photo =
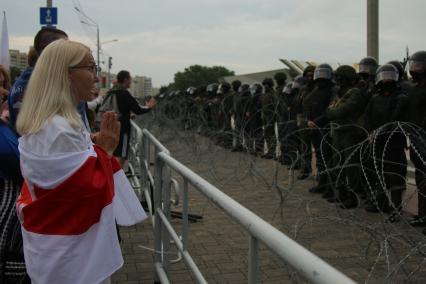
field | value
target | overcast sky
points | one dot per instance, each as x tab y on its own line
157	38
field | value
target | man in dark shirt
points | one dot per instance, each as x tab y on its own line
127	105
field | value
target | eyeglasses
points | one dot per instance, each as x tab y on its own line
92	68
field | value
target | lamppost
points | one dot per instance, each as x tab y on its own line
109	63
91	22
109	41
98	45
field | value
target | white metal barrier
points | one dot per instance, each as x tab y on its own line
158	187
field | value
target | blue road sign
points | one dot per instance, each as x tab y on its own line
48	16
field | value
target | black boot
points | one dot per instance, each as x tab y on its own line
317	189
303	176
349	203
418	221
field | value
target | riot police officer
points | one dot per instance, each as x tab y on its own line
212	110
405	85
387	106
314	107
238	114
269	117
288	108
225	95
243	107
367	74
305	139
417	116
254	142
280	79
344	113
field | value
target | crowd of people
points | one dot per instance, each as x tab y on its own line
57	167
63	191
361	125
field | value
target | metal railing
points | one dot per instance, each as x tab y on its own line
159	185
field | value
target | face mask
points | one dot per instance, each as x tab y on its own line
417	77
323	84
389	86
252	92
364	76
294	92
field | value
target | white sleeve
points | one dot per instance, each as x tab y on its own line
93	104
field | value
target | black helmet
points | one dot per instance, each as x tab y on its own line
268	82
288	88
299	81
280	78
308	69
417	62
398	66
345	71
387	72
235	85
256	89
223	88
212	89
323	71
243	88
191	91
368	65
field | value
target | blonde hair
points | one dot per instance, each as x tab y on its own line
49	90
6	82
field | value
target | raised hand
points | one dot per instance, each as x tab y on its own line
109	134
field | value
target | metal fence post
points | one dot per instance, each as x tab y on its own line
158	179
143	176
185	215
253	260
166	188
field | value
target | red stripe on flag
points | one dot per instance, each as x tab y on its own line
75	205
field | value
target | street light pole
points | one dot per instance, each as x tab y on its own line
49	5
98	45
109	72
109	63
90	22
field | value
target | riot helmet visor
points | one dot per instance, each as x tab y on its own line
323	73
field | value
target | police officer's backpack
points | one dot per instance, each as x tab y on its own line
109	103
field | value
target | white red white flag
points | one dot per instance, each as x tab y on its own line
68	225
4	44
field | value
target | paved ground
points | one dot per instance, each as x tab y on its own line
360	244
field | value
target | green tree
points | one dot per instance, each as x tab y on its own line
197	75
163	89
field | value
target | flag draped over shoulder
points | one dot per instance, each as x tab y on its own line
68	207
4	45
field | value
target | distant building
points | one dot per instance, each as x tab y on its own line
18	59
141	86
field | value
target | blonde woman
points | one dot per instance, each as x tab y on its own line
4	92
4	83
73	190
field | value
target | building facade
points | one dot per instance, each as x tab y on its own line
141	87
18	59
